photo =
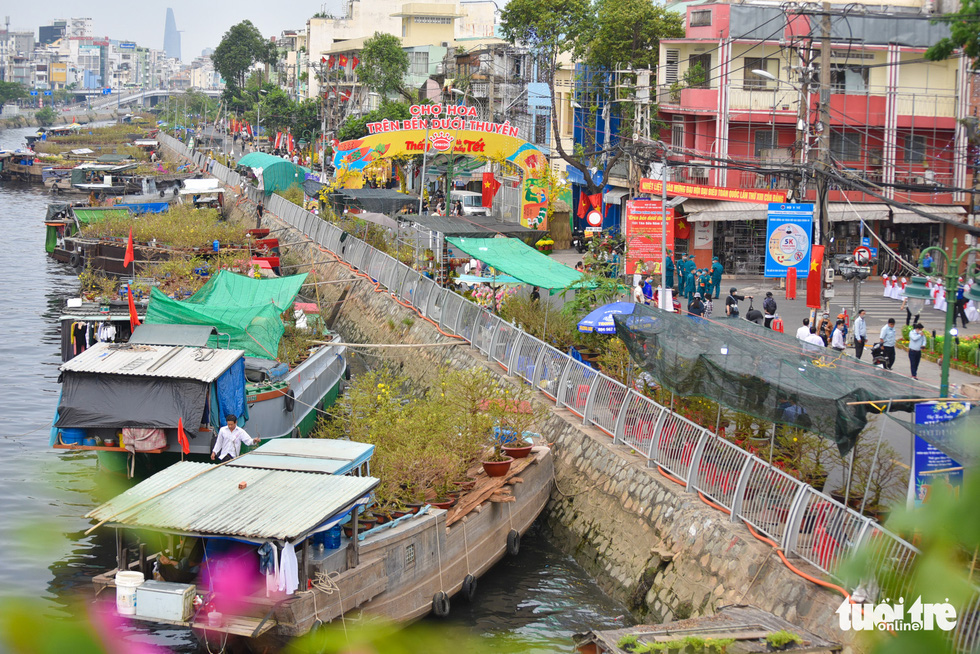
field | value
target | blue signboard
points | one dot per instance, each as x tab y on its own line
106	91
866	241
788	239
47	93
33	92
931	466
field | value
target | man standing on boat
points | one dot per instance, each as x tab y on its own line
228	444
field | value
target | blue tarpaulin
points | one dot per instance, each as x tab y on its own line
229	395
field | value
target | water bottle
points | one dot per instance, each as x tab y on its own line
216	245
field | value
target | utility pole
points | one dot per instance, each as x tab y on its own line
823	225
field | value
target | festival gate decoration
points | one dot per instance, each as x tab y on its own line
460	133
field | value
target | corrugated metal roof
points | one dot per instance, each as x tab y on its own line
327	456
202	364
193	335
204	499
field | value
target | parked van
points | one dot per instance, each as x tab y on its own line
472	203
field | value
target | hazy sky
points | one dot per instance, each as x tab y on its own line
202	23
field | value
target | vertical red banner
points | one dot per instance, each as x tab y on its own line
814	278
644	235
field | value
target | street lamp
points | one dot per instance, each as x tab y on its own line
951	282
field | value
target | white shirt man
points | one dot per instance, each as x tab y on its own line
803	332
813	343
638	294
837	339
228	444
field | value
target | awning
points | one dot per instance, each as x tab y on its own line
722	210
910	217
843	212
615	195
518	260
478	226
191	335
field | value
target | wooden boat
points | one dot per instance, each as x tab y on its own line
399	571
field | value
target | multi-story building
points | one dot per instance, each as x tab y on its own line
744	85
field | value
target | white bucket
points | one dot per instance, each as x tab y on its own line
126	584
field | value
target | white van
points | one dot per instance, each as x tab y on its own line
472	203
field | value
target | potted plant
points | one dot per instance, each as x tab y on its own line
496	463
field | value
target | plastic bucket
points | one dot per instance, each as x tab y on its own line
331	539
126	584
72	436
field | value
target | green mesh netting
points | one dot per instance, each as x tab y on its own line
245	308
763	373
227	288
519	260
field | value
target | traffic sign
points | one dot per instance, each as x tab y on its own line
862	255
594	219
33	92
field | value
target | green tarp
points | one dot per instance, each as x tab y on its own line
515	258
227	288
246	309
89	216
277	173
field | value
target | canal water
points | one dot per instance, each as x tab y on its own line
541	596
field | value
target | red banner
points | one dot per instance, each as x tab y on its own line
814	278
644	230
702	192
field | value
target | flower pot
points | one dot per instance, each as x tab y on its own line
497	468
517	452
413	507
466	485
442	502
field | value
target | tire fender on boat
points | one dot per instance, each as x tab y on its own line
440	604
513	542
289	401
469	588
76	260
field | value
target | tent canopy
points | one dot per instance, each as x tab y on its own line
518	260
277	173
764	373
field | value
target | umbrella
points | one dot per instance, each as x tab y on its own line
600	320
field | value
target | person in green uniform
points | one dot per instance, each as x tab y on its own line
691	266
682	276
716	271
669	276
704	282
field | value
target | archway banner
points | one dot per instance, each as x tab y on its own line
459	133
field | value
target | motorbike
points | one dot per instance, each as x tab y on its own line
579	242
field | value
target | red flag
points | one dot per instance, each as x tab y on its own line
330	61
345	95
248	128
342	61
185	445
323	60
354	61
490	187
129	257
596	199
583	205
814	277
134	319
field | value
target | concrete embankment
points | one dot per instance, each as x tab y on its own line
647	541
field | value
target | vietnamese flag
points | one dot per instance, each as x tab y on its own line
134	318
185	445
129	257
342	61
354	61
596	199
583	205
490	188
323	60
331	61
814	277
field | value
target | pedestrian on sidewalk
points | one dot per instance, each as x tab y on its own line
887	339
908	314
716	272
769	306
707	306
917	341
960	307
860	334
813	343
638	296
837	338
803	331
731	302
696	307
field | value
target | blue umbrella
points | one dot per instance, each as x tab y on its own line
600	320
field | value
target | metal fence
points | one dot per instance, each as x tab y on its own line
802	520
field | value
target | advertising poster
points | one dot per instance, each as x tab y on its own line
644	230
788	239
930	467
704	234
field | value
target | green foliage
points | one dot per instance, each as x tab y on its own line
46	116
783	638
383	64
181	227
242	46
695	76
964	33
550	27
293	194
629	32
276	110
628	642
355	128
10	91
551	325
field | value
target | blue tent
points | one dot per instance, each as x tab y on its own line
600	320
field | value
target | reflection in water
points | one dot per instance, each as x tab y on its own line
540	595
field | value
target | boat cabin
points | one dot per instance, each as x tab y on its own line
202	193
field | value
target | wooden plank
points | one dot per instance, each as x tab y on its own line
486	487
238	625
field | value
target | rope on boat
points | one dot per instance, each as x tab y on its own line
442	588
466	549
325	582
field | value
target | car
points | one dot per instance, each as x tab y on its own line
472	203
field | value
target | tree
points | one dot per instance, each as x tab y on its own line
355	128
10	91
46	116
277	111
383	65
241	47
964	32
628	32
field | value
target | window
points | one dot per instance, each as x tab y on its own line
433	20
677	132
845	146
698	71
753	80
914	148
409	555
541	129
418	63
670	66
848	79
701	18
765	139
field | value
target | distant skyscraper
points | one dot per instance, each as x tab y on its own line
171	37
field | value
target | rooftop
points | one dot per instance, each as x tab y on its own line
198	363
